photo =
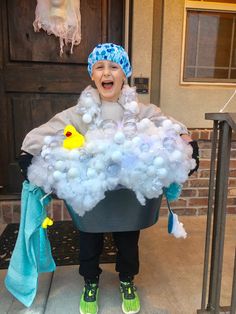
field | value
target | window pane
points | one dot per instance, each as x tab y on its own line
214	39
191	38
234	50
210	50
212	73
233	74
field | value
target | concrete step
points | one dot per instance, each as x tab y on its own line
10	305
67	287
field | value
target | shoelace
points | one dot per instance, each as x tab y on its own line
90	292
128	289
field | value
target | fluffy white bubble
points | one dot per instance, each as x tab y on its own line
177	127
60	165
48	139
116	156
119	137
57	175
151	171
143	124
87	118
167	123
73	172
87	101
158	161
91	173
133	106
176	155
162	172
136	140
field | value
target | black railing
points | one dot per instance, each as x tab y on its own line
224	124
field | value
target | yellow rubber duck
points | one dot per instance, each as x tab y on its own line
73	138
47	222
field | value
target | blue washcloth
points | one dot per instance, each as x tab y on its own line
175	227
173	191
32	252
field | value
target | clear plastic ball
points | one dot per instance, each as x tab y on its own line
81	109
130	129
144	147
109	127
169	143
113	169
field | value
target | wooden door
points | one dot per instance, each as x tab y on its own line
36	82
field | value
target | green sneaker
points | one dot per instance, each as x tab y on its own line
130	299
89	298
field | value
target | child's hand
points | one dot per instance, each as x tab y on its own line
24	161
195	154
186	137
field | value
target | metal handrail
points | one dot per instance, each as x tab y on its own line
224	124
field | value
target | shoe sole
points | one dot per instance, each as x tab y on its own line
85	313
133	312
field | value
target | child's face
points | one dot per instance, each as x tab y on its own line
108	78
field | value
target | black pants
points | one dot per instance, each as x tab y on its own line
127	260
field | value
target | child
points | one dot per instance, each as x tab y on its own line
108	67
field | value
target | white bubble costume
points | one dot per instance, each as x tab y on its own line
143	154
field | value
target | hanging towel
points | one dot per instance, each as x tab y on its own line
32	252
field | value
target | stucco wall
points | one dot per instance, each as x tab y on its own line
186	103
142	41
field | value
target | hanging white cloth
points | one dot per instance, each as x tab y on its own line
61	18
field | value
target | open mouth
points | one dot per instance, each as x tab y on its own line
107	84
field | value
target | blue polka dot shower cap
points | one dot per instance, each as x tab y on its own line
110	52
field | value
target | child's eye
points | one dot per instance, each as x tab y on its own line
114	67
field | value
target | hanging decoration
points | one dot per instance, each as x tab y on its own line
61	18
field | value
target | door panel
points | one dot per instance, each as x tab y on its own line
36	82
50	78
32	110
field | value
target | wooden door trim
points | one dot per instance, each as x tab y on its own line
116	9
158	11
4	151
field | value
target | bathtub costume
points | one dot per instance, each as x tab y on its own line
130	149
128	146
114	180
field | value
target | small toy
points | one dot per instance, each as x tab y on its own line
73	138
47	222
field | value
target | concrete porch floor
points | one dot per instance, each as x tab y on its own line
170	279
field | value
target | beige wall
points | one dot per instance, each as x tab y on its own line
186	103
142	42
